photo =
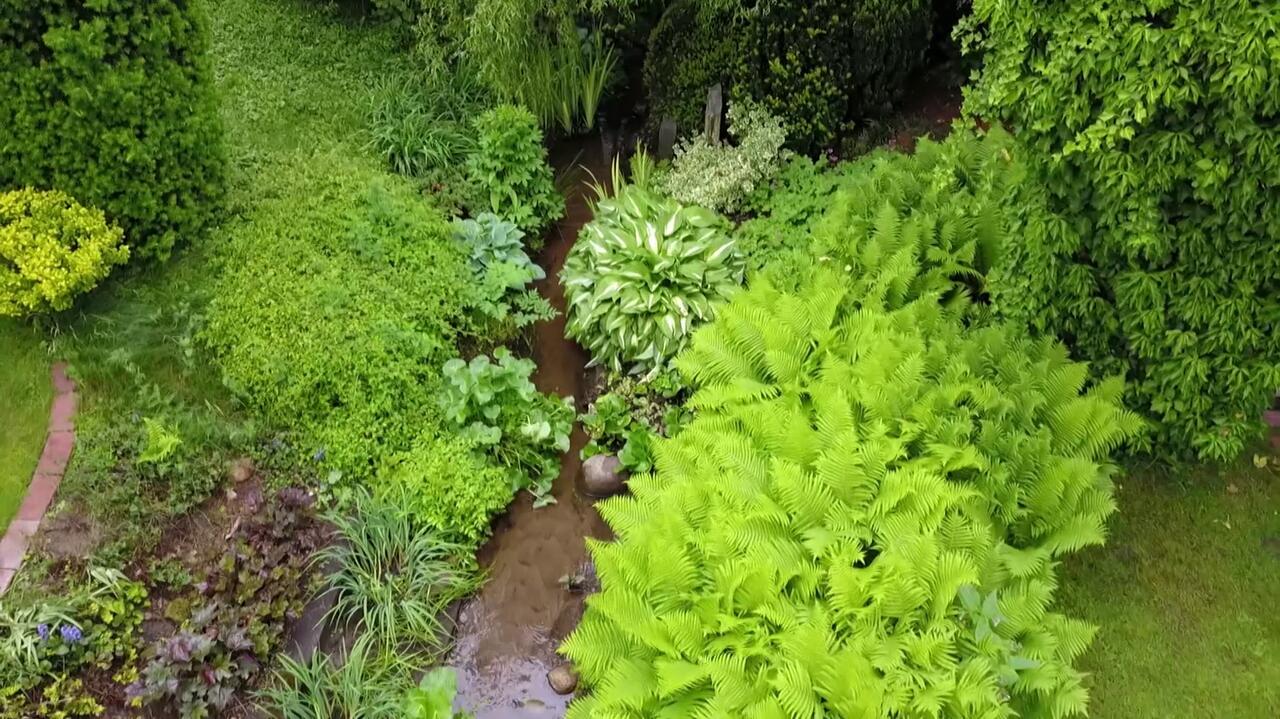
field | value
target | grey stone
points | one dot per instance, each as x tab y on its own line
715	114
603	476
666	139
563	679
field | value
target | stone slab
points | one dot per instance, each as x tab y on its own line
39	496
63	413
57	452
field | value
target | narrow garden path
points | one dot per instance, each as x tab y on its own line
508	633
58	446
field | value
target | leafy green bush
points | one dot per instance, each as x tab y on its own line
113	103
863	520
494	405
509	165
643	272
392	579
820	64
719	177
1152	127
446	486
51	250
342	294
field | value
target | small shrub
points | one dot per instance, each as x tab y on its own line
719	177
1151	129
393	579
644	271
52	250
863	519
113	103
447	486
509	166
494	405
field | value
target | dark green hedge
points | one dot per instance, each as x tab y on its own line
818	64
112	102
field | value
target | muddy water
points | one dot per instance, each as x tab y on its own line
507	634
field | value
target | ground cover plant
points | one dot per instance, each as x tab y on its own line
1151	128
830	499
1164	611
337	307
114	105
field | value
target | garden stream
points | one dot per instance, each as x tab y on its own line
508	633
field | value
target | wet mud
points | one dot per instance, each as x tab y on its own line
508	633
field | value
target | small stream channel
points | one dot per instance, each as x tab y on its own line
508	633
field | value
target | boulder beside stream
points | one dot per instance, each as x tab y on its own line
603	476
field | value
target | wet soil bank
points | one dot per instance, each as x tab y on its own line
508	633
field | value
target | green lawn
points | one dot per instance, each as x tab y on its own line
1187	594
25	394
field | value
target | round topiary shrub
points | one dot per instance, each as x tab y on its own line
643	274
51	250
113	102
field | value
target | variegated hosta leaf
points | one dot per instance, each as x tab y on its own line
643	274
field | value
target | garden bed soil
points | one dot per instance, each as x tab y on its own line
508	633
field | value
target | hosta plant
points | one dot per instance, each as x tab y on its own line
643	274
503	272
495	405
51	250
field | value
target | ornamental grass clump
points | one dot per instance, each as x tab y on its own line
52	249
643	274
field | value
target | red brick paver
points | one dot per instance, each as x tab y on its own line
44	483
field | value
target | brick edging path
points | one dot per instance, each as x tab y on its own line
53	463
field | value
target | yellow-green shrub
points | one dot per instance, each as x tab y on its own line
51	250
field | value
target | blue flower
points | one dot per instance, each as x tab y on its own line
43	631
70	633
319	455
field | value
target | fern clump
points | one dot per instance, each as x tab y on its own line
862	521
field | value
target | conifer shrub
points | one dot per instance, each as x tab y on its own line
112	102
340	298
1151	127
51	250
863	519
